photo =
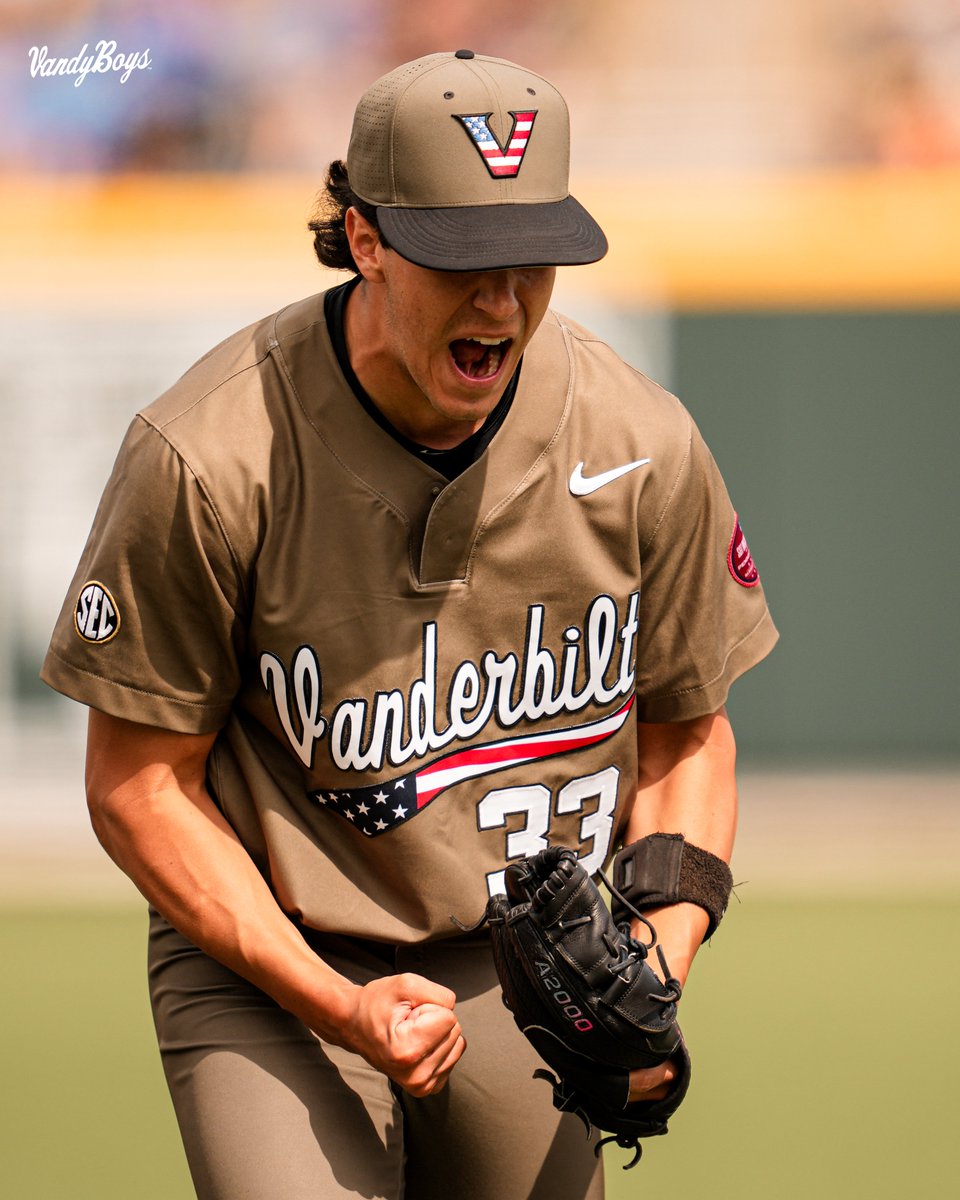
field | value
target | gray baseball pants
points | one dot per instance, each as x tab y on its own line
268	1111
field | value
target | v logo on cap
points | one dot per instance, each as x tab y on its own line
502	160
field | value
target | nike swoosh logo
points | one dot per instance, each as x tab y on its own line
583	485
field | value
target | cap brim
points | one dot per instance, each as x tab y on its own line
494	237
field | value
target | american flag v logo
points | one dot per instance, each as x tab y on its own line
502	160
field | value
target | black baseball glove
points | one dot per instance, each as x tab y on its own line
581	991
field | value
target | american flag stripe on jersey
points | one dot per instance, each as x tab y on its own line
379	807
502	161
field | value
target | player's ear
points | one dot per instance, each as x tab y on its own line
365	245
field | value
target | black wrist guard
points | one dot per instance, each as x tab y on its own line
665	869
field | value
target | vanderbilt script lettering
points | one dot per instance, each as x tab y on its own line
593	666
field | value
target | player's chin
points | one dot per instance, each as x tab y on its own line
465	412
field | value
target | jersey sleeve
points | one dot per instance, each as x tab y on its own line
151	628
703	615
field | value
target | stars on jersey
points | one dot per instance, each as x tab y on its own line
376	808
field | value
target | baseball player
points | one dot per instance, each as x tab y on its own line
394	587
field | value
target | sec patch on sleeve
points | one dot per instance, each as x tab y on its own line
96	617
740	560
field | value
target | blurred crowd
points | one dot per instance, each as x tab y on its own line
265	85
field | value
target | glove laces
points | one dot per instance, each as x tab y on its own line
634	950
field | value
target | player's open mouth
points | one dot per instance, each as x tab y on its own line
479	357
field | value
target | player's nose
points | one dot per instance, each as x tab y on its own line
497	293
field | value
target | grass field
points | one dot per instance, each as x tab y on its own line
823	1035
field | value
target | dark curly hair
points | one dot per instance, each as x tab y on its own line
327	225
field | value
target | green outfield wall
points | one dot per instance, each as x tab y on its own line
838	433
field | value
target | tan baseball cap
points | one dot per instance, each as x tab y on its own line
467	160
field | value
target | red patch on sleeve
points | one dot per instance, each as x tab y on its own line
740	560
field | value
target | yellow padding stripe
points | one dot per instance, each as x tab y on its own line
858	239
853	239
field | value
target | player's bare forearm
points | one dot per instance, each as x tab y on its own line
152	813
687	784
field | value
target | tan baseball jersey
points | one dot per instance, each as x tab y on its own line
414	680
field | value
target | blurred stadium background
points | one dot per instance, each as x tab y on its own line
781	187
